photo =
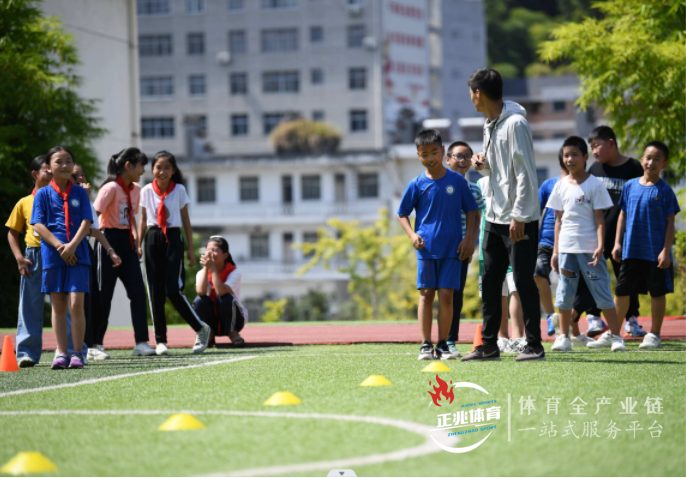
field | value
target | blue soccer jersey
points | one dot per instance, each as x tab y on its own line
547	234
48	210
438	204
646	208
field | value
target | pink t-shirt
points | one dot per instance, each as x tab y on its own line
112	206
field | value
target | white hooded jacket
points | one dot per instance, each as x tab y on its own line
509	151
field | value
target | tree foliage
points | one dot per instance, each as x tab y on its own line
39	108
632	64
301	136
379	261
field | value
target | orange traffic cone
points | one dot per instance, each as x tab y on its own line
8	361
478	339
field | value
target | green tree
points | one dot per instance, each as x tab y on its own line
39	108
301	136
379	260
632	64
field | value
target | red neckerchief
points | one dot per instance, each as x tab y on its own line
127	189
228	269
161	216
35	190
65	203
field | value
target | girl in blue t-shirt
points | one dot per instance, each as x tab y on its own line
62	218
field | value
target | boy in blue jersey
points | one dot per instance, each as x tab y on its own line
459	159
643	243
437	197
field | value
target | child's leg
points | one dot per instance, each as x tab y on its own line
567	288
424	312
598	281
29	336
657	312
175	281
458	301
445	313
107	280
503	331
545	294
155	247
565	320
517	315
78	320
59	302
621	305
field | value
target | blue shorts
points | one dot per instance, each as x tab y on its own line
66	279
439	273
597	280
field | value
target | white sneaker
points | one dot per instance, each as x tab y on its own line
97	352
503	344
142	349
161	349
617	344
518	345
562	344
202	339
581	339
596	326
650	341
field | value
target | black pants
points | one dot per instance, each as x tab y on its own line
584	301
458	300
223	316
499	252
94	319
166	277
129	272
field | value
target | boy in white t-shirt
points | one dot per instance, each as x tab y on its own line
579	200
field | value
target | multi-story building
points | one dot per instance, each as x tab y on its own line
217	76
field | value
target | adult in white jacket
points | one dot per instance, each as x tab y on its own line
512	212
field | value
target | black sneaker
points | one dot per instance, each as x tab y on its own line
426	351
443	351
483	352
531	353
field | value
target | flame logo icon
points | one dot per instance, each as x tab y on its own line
444	389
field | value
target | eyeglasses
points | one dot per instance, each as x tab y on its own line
460	156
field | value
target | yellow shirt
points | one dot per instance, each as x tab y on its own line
20	221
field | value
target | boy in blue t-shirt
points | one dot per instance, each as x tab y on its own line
646	225
437	197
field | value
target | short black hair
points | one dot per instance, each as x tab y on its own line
561	160
602	132
578	142
37	162
455	144
428	136
662	147
488	81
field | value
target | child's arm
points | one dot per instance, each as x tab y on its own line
188	233
558	225
142	227
22	262
619	235
100	237
466	248
600	232
69	251
416	239
663	260
201	279
50	238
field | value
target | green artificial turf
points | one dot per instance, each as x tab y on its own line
123	437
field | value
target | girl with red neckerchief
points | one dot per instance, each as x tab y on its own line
116	205
218	285
164	212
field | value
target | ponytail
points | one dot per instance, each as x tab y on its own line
116	164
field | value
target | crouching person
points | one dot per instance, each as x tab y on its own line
218	286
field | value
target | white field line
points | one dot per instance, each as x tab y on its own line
424	431
122	376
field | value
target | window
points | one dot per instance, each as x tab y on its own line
196	85
195	6
279	39
358	120
234	5
271	120
318	115
311	186
316	34
155	45
559	106
239	125
237	42
316	76
157	86
259	245
280	82
279	3
357	78
310	237
153	7
207	189
367	185
195	43
157	127
238	83
249	188
356	35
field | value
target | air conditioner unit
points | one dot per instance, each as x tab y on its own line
223	58
370	43
355	10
